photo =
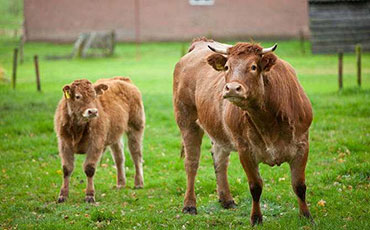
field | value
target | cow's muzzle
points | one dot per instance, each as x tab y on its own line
90	113
234	91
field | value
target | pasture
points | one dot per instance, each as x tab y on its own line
337	175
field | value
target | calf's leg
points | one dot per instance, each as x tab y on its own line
135	138
67	158
119	159
221	161
89	166
255	185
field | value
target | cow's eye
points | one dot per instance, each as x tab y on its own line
78	97
254	67
226	67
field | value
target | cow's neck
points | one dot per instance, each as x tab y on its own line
262	118
264	121
77	128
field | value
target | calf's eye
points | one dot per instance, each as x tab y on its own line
78	97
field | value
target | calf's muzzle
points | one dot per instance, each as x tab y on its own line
90	113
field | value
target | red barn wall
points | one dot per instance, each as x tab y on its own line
164	20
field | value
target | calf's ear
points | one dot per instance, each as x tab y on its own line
217	61
67	91
99	89
267	61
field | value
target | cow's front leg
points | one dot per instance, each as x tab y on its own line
255	185
297	168
90	163
67	157
221	161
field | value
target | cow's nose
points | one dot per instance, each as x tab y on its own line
92	112
234	89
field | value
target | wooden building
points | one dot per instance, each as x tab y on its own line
339	25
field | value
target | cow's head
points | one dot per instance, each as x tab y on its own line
244	65
81	98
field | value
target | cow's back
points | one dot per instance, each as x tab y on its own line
197	89
122	102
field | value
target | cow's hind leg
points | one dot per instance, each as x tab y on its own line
135	137
119	159
255	185
221	161
297	168
67	158
192	140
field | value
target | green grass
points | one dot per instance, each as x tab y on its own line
338	170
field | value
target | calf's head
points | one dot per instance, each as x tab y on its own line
244	65
81	98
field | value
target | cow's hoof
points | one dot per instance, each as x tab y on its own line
62	199
228	204
138	186
89	199
308	216
120	186
256	219
190	210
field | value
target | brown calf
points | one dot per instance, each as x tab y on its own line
251	102
91	117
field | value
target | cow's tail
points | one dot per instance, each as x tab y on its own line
195	40
126	79
182	153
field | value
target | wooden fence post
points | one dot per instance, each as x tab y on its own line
358	62
15	60
183	52
340	69
301	39
137	29
21	44
36	61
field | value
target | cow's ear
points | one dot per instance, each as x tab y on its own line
267	61
217	61
99	89
67	91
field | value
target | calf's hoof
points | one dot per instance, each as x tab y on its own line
228	204
89	199
256	219
190	210
62	199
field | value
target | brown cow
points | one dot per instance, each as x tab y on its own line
91	117
250	101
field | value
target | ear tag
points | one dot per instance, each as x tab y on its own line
219	67
67	95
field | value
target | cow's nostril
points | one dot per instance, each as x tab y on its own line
238	88
227	88
89	112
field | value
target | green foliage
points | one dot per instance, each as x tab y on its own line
338	170
11	14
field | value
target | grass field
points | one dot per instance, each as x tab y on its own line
338	172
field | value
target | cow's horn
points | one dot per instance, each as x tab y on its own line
220	49
271	49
